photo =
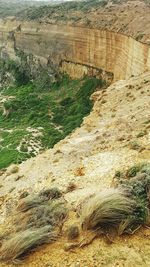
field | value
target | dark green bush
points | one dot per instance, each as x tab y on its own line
67	101
43	81
136	182
132	172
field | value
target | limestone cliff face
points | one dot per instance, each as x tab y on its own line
109	51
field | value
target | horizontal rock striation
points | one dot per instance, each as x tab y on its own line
112	52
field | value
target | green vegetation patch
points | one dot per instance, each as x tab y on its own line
37	119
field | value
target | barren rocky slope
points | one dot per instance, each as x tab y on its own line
109	140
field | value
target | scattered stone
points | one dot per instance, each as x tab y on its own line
130	86
55	160
12	189
121	138
80	171
71	187
73	232
69	246
2	171
24	194
19	177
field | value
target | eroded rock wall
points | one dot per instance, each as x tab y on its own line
112	52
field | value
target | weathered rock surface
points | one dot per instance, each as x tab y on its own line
112	52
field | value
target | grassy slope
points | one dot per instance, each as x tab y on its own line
58	110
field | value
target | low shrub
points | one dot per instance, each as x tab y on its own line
136	181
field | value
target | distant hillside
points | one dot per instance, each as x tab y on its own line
12	7
78	9
63	11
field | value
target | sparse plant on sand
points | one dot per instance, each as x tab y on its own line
107	209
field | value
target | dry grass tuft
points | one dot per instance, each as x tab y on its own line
106	209
29	203
34	223
23	242
34	201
